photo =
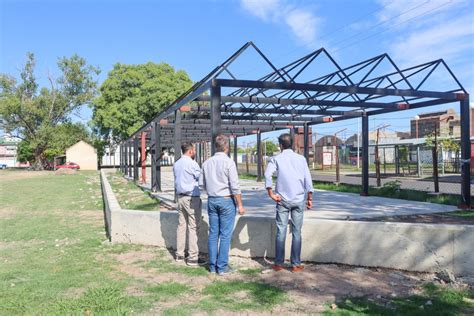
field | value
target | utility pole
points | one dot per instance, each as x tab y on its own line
338	176
377	156
435	154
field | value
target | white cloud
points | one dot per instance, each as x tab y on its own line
302	23
449	40
262	9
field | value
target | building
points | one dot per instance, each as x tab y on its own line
83	154
446	123
299	141
8	151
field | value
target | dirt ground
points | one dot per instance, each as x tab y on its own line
310	291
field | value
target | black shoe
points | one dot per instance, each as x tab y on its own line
195	263
179	258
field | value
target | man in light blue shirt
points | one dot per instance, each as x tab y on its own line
186	180
293	192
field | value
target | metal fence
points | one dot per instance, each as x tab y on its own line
412	167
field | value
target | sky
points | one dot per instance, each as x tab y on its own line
196	36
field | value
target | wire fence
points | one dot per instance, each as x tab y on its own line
417	167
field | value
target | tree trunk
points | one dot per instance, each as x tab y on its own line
40	161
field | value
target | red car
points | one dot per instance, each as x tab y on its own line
69	165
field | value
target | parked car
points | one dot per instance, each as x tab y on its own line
69	165
3	166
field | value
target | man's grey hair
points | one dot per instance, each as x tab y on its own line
222	143
186	146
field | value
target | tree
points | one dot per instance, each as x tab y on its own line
271	147
32	114
64	136
25	153
133	95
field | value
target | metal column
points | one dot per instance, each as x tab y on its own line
121	157
292	136
235	150
259	156
177	135
365	155
143	157
155	158
129	158
465	154
306	142
135	159
215	114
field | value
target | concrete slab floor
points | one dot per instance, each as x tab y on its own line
326	204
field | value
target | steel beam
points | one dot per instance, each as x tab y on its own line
465	154
177	135
306	142
129	159
216	120
365	156
135	159
143	157
259	156
156	158
286	102
333	88
235	150
292	136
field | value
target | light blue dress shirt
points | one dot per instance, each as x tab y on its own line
186	176
219	176
293	176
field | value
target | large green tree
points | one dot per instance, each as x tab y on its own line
133	94
64	136
34	114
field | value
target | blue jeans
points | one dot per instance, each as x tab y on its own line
283	211
222	213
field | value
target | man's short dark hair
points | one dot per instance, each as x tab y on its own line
186	146
285	141
221	143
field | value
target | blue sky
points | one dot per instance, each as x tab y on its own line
198	35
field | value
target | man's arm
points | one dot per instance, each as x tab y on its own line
271	168
308	183
240	205
234	187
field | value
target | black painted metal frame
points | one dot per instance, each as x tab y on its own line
277	101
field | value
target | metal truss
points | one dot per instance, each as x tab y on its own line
282	99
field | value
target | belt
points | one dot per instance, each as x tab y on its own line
184	194
224	197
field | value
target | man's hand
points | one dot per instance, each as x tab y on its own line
309	204
275	197
241	210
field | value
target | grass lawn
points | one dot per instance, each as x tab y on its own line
129	195
56	260
433	300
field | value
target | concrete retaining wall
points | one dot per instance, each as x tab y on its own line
412	247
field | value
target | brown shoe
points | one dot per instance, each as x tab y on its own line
277	267
297	268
